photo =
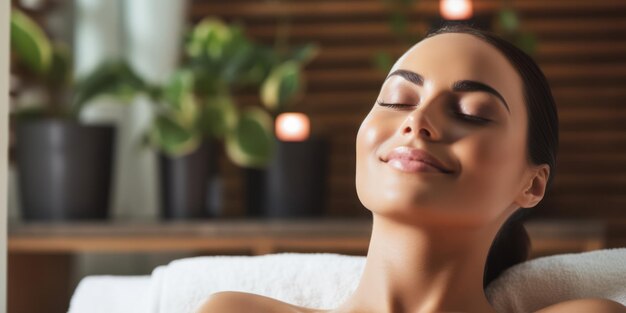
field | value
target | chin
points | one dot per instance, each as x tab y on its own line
392	202
397	190
421	209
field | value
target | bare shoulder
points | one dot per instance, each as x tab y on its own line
597	305
244	302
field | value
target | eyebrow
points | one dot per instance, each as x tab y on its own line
461	85
470	85
408	75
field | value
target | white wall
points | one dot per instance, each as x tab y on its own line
4	131
147	34
97	33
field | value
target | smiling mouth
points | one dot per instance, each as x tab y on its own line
413	166
413	160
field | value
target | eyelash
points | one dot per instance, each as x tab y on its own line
472	118
394	105
465	117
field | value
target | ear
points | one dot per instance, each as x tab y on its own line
535	188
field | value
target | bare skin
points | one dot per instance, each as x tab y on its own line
432	230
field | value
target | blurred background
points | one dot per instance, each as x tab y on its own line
145	131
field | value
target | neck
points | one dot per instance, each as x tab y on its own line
422	269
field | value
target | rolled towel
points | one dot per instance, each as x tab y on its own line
325	280
537	283
319	280
111	294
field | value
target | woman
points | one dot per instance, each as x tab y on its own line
462	138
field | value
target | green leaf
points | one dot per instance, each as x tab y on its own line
527	42
208	38
383	61
281	86
110	78
30	43
399	24
262	61
172	138
188	112
250	144
305	53
508	20
180	96
238	57
60	72
219	117
181	83
206	82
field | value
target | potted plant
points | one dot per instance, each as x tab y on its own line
279	91
197	116
63	166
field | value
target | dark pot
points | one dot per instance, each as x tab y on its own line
255	191
190	185
64	169
294	183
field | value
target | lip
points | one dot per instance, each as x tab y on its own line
413	160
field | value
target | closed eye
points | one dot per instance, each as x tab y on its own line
464	117
472	118
395	105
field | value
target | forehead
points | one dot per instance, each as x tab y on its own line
446	58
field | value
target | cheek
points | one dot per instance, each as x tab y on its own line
372	133
366	140
491	168
365	137
490	154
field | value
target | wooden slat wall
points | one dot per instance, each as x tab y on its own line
582	50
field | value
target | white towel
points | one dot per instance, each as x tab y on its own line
319	280
532	285
325	280
111	294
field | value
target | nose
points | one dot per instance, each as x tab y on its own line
418	123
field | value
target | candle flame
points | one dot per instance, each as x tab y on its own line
456	9
292	127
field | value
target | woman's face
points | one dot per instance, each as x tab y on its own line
456	99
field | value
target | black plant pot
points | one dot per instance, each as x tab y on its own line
294	183
190	185
255	191
64	169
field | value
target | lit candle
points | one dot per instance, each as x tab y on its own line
456	9
292	127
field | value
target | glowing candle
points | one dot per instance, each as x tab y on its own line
456	9
292	127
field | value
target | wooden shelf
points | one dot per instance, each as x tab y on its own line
258	236
247	236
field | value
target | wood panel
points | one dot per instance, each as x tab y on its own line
581	48
39	282
260	236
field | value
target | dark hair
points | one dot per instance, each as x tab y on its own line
511	244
